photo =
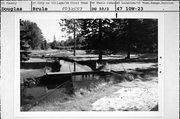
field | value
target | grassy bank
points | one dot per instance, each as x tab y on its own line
104	95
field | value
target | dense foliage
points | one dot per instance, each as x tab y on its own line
30	38
114	35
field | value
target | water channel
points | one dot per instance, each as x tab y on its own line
31	95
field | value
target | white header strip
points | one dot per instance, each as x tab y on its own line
90	6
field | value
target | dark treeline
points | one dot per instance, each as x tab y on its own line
113	35
31	36
106	36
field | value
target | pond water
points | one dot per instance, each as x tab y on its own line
73	67
30	95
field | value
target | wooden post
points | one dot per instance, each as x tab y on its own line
74	66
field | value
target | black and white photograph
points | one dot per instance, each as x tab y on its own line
98	64
89	59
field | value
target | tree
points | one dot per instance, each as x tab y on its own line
24	39
44	45
70	26
113	35
100	38
54	44
132	35
95	34
31	34
141	35
150	38
31	37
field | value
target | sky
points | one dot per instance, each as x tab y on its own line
49	28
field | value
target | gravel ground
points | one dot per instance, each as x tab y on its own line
128	99
132	96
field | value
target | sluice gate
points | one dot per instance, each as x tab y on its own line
61	77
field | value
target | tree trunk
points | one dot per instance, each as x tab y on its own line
129	39
128	51
74	39
100	55
100	39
